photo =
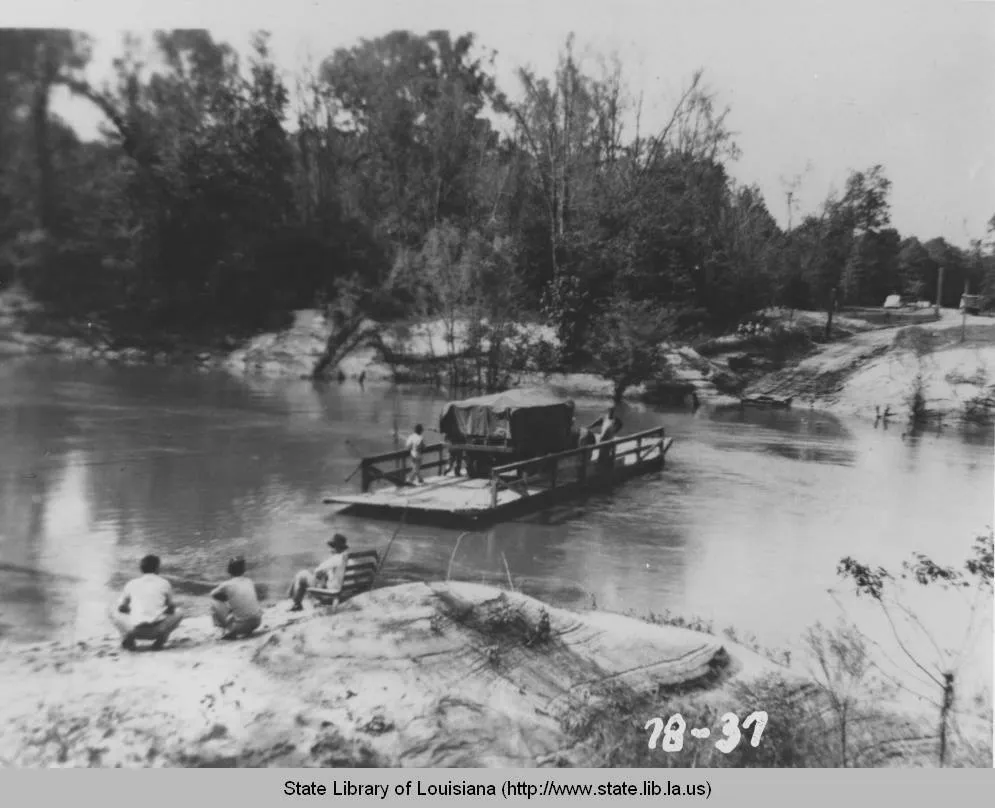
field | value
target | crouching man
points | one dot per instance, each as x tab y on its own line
328	575
235	604
146	610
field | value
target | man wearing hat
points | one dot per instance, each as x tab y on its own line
328	575
235	603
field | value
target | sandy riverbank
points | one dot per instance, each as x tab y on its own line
865	371
874	370
441	674
295	352
289	354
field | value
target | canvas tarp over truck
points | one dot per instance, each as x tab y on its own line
533	422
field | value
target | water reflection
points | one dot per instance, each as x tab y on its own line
745	526
803	436
798	422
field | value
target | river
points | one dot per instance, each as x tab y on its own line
102	464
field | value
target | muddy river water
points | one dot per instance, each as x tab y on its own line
745	526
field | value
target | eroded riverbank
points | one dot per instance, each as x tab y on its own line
867	371
435	674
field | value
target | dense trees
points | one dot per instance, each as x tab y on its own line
401	180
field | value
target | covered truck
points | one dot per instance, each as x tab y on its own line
504	427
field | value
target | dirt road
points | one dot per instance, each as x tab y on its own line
869	371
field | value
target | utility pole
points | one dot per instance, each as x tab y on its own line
939	291
963	311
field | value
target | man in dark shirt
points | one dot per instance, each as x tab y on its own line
235	604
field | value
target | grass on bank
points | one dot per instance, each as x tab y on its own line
828	705
806	726
842	718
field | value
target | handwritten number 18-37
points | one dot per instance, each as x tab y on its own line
673	732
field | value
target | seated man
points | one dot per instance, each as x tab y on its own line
146	610
235	604
329	574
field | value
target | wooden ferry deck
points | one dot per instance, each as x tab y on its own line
509	490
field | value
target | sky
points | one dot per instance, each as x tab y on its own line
815	89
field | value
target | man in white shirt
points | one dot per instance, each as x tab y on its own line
608	426
328	575
235	603
146	610
415	445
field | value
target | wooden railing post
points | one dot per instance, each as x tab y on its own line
494	490
549	464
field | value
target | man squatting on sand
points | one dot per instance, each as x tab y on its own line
146	610
235	604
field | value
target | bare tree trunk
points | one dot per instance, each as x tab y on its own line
343	339
544	148
620	387
830	308
843	738
43	156
454	376
948	702
555	228
568	102
438	201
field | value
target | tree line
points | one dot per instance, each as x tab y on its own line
399	180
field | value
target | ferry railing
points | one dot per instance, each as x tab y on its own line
372	468
572	466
